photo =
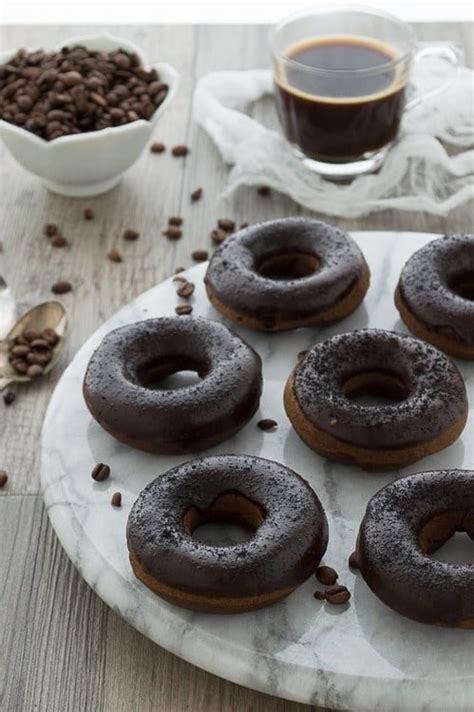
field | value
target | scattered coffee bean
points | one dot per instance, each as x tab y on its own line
131	235
185	290
354	560
77	90
267	424
175	220
114	256
50	230
196	195
183	309
302	354
31	335
20	351
243	226
50	336
178	278
218	236
157	147
326	575
20	366
61	287
59	241
338	598
172	233
200	255
335	589
88	214
180	150
34	370
100	472
319	596
116	500
263	190
226	224
3	478
9	397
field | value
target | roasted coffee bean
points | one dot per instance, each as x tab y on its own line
53	94
20	366
335	589
339	598
226	224
31	335
50	230
326	575
100	472
179	151
264	190
20	351
40	359
183	309
175	220
196	195
3	478
178	270
200	255
88	214
186	290
34	370
319	596
61	287
9	397
21	340
172	233
131	235
354	560
40	344
59	241
179	279
157	147
114	256
243	225
116	500
267	424
50	336
218	236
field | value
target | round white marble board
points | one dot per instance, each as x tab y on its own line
361	656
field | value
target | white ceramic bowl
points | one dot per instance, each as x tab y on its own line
90	163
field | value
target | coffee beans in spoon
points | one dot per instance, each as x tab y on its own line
30	352
77	90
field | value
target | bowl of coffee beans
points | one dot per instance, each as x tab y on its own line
79	116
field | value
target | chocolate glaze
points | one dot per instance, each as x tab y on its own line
283	552
181	420
435	391
233	271
392	560
426	286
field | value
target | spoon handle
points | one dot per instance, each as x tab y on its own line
4	382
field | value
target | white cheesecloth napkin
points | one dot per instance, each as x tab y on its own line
430	168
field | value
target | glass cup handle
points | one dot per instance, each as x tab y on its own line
450	53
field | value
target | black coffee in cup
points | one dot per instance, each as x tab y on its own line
340	97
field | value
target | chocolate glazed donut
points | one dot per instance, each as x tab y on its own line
429	414
405	522
435	294
118	394
288	273
289	524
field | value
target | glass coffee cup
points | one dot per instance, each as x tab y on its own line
341	85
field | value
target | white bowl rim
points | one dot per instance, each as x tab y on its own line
171	73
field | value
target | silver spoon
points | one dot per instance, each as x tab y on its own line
49	315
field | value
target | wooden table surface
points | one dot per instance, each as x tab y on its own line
62	648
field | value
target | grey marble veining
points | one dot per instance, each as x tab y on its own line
363	656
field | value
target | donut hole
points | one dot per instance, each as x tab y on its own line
375	388
231	519
462	284
288	266
445	535
170	373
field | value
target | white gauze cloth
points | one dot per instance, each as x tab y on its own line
430	168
